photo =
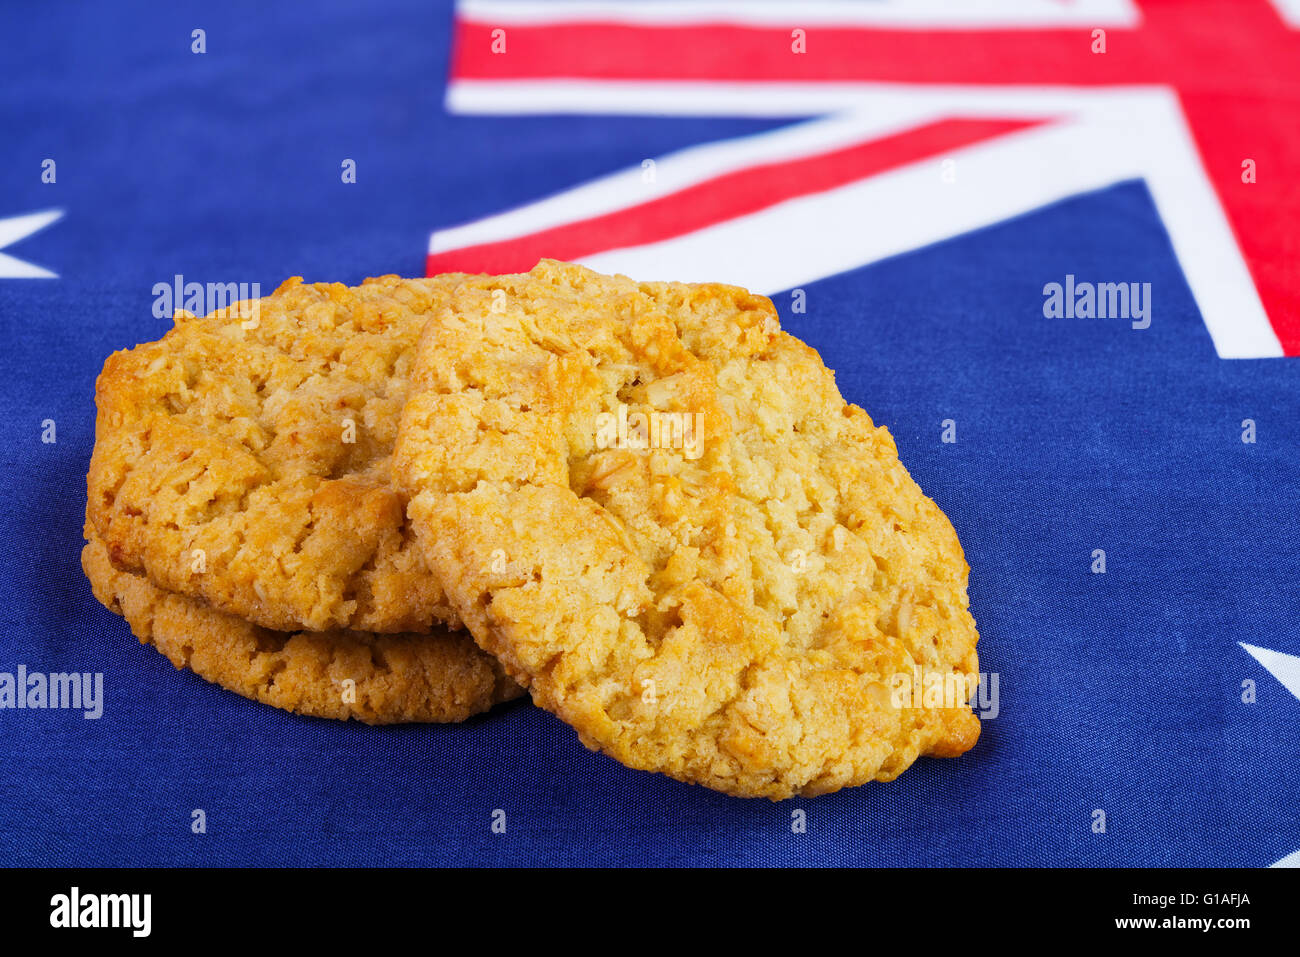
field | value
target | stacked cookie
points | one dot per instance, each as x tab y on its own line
241	516
643	501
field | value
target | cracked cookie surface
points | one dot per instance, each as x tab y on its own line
244	458
440	676
656	509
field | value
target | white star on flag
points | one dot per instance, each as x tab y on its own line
20	227
1286	669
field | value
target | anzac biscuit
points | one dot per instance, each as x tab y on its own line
656	509
439	676
243	458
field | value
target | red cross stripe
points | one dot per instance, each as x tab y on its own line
1233	64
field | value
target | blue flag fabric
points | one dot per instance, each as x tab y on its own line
1132	725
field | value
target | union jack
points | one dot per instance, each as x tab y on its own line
911	122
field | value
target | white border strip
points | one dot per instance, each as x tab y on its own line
898	14
765	99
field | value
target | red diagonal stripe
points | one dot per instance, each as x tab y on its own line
723	198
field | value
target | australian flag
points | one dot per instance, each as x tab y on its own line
1053	246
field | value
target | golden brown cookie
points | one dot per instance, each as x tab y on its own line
655	508
243	458
378	679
